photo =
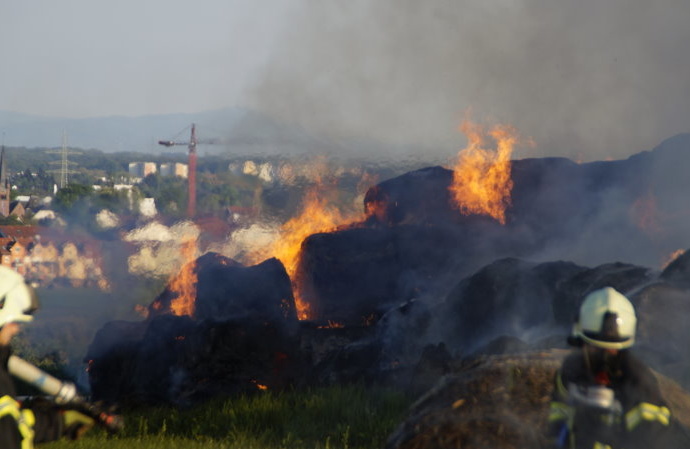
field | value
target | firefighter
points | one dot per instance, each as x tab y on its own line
604	397
21	427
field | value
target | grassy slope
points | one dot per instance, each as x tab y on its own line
337	417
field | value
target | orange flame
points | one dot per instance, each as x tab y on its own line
376	208
143	310
672	257
332	325
316	216
481	177
645	214
259	386
184	282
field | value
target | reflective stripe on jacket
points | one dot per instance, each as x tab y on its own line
640	419
645	411
25	419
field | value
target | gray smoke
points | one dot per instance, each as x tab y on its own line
588	80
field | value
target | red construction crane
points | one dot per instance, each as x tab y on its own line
191	176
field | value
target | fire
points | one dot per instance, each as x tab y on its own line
316	216
672	257
645	214
377	207
143	310
261	387
481	177
184	282
332	325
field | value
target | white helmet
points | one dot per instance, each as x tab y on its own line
607	320
17	299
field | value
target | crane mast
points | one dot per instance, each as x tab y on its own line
191	176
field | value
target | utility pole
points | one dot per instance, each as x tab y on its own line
64	162
64	167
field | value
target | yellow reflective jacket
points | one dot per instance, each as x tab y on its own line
21	427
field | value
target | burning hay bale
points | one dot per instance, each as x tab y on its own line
354	276
678	270
218	288
465	281
239	336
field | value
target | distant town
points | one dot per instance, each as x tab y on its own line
58	206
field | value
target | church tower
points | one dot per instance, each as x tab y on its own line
4	186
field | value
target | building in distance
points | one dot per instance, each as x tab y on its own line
174	169
142	169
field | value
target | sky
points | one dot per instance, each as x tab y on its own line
589	80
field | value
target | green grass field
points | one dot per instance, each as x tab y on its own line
338	417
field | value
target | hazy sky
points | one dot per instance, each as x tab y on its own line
587	79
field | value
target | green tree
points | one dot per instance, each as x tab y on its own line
67	198
215	193
170	193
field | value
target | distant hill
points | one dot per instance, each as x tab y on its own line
237	129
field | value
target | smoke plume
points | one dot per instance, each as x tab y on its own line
587	80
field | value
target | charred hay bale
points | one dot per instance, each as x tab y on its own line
225	289
348	275
417	197
497	402
111	359
572	289
502	402
663	336
261	291
351	275
158	354
678	271
179	360
513	297
236	357
507	297
239	335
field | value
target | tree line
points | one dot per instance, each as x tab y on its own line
36	172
